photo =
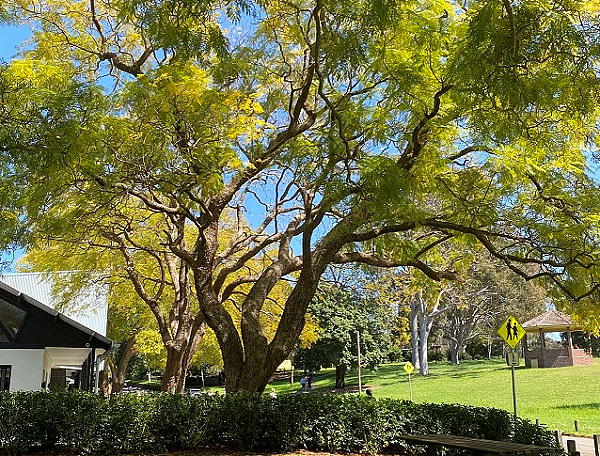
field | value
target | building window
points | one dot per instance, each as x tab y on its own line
11	319
4	378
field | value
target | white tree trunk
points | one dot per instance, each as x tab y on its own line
414	334
426	323
425	330
421	323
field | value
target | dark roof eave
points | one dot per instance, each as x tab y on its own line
101	341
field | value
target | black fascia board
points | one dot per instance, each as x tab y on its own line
44	326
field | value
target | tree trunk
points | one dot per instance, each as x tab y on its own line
179	356
454	353
414	333
250	368
249	359
119	369
425	325
240	376
424	363
175	371
105	385
340	376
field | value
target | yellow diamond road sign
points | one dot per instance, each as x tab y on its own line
408	367
511	331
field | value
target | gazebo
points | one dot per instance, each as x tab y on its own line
543	351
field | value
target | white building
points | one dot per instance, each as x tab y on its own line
40	346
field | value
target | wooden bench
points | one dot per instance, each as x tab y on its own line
483	446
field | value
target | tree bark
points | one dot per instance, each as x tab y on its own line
425	323
340	376
249	359
423	340
414	334
454	353
180	352
119	370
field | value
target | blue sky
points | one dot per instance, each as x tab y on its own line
10	37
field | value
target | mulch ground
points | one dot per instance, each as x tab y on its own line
211	452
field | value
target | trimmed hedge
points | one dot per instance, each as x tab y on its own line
87	423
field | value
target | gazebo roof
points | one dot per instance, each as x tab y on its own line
551	321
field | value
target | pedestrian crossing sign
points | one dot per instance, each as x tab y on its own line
511	331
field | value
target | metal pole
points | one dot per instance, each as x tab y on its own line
97	376
358	352
512	369
91	380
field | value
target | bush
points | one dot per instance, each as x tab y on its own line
84	423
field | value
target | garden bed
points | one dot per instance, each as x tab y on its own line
213	452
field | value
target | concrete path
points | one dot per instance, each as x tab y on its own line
584	445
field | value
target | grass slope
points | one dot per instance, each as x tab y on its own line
557	397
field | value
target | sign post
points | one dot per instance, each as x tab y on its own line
358	360
409	368
512	332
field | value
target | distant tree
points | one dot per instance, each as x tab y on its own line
486	296
423	312
342	313
384	286
427	299
465	318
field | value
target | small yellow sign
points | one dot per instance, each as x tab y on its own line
408	367
511	331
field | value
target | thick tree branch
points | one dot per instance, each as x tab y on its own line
467	150
419	134
359	257
513	28
136	280
134	69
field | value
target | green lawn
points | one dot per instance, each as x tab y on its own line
557	397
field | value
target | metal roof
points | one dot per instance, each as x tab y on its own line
551	321
89	309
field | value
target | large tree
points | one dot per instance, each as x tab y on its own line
372	131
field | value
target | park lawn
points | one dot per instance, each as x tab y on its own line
556	397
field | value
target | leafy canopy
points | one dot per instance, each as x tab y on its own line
374	132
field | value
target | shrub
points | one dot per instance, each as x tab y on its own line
82	422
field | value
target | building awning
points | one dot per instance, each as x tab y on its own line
69	358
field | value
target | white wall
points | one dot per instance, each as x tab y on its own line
26	368
47	366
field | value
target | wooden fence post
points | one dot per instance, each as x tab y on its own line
572	448
559	439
